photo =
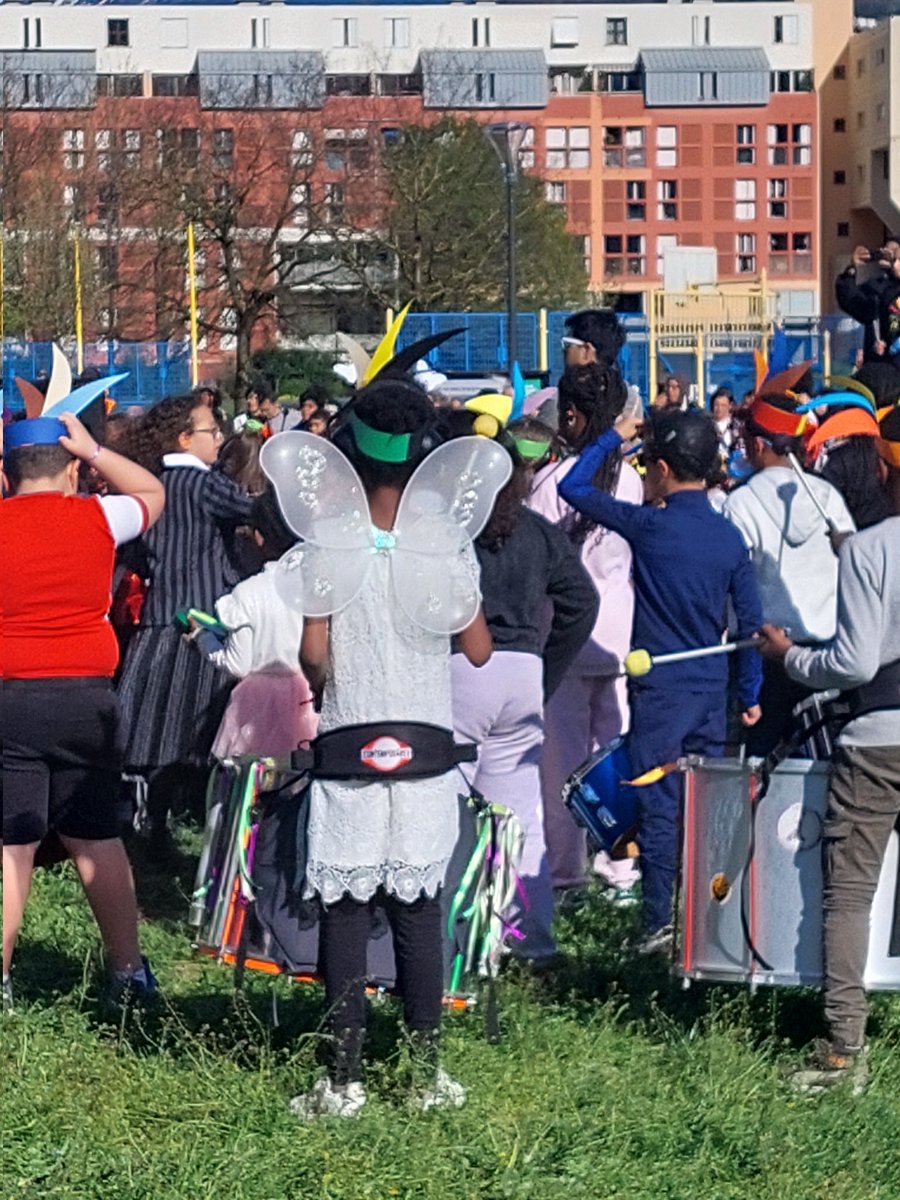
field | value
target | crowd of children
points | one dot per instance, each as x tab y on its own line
598	536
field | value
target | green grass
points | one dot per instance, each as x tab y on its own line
611	1083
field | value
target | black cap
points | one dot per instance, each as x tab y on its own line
687	441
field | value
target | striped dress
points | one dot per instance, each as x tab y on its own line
173	698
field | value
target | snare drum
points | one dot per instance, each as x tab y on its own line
599	798
751	896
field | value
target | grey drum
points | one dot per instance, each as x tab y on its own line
751	895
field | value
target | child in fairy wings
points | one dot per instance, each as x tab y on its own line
386	574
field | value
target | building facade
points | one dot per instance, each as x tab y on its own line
662	127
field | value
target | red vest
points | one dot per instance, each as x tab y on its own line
57	555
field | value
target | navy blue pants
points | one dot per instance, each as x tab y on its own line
665	725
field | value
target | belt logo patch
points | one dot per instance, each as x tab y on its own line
385	754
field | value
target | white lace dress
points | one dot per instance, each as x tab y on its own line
396	835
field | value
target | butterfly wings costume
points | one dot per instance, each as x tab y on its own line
394	599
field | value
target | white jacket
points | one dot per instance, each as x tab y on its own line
795	566
265	631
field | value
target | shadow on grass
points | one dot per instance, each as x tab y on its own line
44	971
595	966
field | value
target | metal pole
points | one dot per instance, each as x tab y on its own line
79	312
192	302
511	341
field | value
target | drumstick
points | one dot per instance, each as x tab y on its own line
641	662
801	475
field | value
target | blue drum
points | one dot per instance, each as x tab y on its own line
600	799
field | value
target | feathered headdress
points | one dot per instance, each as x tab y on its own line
42	426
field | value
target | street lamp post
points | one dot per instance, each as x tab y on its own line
507	138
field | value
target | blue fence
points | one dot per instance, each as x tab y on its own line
729	360
155	369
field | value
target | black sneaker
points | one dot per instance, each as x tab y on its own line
832	1066
660	942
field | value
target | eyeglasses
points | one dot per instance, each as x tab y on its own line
213	429
572	341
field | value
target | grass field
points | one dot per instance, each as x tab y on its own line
611	1083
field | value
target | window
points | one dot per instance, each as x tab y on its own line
346	148
567	146
344	32
485	88
667	196
860	120
614	263
708	85
301	148
31	33
167	145
780	81
664	243
526	153
73	149
175	85
335	202
880	57
555	192
223	149
107	204
173	33
259	33
745	136
700	30
803	81
481	31
620	81
396	33
801	257
745	199
840	125
624	147
131	144
860	67
778	192
348	85
120	85
840	178
635	254
564	31
104	141
189	146
73	199
616	31
400	85
262	90
843	229
667	146
635	200
117	32
839	72
745	253
108	265
787	31
300	205
801	136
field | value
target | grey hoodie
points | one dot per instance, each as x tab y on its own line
868	631
796	570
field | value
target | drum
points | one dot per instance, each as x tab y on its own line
751	897
248	908
599	799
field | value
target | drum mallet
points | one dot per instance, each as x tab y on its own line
641	662
801	475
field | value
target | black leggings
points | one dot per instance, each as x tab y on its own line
419	954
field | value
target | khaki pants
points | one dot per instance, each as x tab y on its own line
863	804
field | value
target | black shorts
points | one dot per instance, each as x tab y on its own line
62	759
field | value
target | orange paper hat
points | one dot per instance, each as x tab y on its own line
849	422
785	381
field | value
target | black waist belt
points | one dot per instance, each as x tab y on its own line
882	692
383	750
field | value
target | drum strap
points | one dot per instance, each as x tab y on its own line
384	749
880	694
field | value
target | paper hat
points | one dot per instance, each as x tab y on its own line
849	422
845	399
42	426
493	411
773	419
889	437
386	356
785	381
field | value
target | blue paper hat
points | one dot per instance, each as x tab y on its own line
838	400
46	428
519	392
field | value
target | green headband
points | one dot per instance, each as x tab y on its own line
383	447
529	449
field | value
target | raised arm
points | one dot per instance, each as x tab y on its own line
577	489
123	475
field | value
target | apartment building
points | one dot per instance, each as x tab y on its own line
658	124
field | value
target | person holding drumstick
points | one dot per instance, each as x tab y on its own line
863	660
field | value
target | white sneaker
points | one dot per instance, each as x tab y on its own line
443	1093
326	1099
